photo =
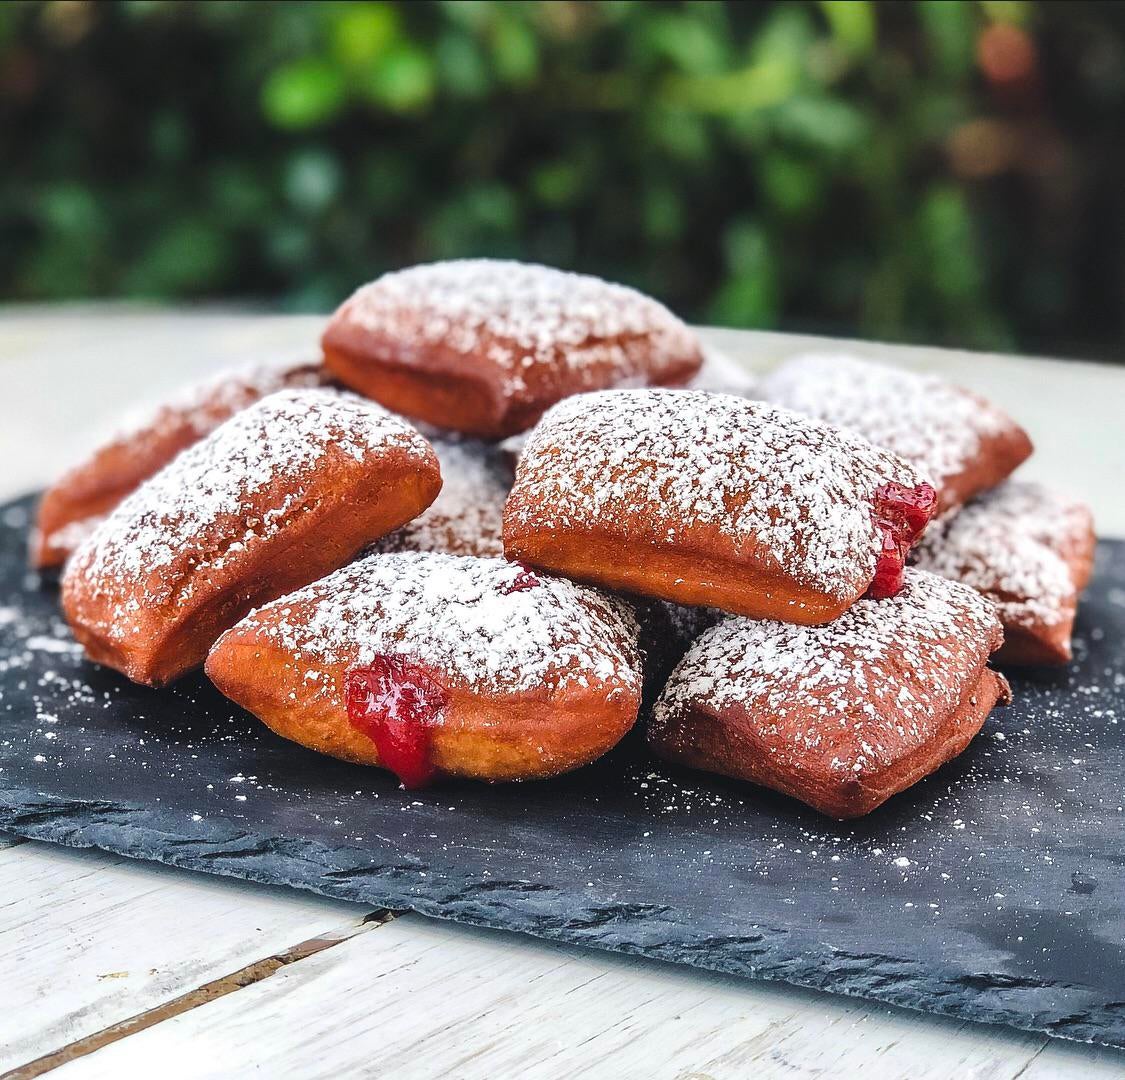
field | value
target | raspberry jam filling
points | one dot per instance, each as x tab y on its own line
396	705
525	579
901	514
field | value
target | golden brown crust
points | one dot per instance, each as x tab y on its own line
841	716
497	738
727	744
484	347
235	522
962	443
539	680
74	505
710	572
703	499
1030	551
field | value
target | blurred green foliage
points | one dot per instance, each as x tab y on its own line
940	171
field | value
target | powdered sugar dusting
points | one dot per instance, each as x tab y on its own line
718	375
1009	545
522	316
204	405
936	426
658	463
857	689
467	516
208	491
461	616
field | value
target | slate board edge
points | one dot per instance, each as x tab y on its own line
512	906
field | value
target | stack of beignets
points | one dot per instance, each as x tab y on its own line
743	564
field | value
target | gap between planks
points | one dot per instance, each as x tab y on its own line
201	995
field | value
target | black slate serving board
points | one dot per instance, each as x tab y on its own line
994	891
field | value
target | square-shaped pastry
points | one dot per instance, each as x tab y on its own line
1030	551
960	442
73	506
484	346
429	664
713	500
281	494
841	716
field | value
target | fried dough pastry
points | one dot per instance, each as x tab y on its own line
841	716
713	500
961	443
1028	550
484	346
282	493
74	505
429	664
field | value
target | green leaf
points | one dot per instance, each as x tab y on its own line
361	32
822	123
951	30
402	80
853	24
303	94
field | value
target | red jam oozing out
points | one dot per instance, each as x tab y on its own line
901	514
396	705
525	579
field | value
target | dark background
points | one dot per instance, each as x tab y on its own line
941	172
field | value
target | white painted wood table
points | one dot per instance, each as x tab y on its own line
116	968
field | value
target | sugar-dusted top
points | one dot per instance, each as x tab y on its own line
1055	520
1006	545
859	692
467	516
656	464
520	316
494	625
203	405
207	500
933	424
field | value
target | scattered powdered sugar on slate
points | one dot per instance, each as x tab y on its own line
462	616
211	487
661	462
521	315
880	676
931	423
1004	545
467	516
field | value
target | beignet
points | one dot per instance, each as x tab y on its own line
713	500
430	664
484	346
956	439
74	505
467	516
279	495
840	716
1030	551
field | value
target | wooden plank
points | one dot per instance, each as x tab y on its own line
426	999
88	939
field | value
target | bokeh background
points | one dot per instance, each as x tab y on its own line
942	172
